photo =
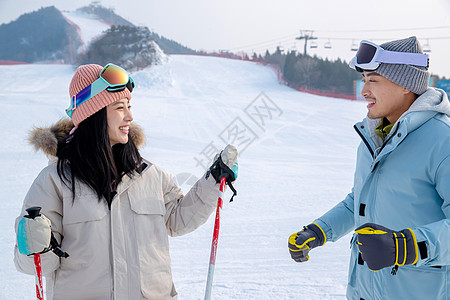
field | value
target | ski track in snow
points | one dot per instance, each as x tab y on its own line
89	26
300	165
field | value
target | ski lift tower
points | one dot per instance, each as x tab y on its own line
306	35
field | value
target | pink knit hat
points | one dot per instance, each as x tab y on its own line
84	76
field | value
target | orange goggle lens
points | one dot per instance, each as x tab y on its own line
114	75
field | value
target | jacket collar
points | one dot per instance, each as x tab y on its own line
126	181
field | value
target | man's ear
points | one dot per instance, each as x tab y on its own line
406	91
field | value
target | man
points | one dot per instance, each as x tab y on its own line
400	202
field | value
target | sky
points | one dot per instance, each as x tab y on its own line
254	26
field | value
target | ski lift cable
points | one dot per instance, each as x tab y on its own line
386	30
277	40
384	39
275	43
287	38
264	44
350	31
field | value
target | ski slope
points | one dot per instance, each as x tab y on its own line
297	162
89	27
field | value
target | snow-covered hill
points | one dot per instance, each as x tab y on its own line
50	35
88	26
297	160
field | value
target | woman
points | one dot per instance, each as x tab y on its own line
106	206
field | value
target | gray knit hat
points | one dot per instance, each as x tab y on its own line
413	78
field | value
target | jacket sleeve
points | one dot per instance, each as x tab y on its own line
186	213
44	192
339	220
436	235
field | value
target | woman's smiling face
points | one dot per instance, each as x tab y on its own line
119	118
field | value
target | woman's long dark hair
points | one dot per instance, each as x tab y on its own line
89	158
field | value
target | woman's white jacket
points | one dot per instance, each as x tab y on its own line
117	253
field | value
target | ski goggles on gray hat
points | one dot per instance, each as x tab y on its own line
370	56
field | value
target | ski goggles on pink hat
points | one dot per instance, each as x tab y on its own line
370	56
111	78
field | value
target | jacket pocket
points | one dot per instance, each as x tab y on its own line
416	283
152	243
150	205
86	237
149	222
353	262
85	208
89	263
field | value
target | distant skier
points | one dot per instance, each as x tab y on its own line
109	208
400	202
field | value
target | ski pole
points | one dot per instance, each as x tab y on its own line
33	212
212	258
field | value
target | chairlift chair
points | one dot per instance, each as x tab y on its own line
354	46
293	49
313	45
426	47
327	45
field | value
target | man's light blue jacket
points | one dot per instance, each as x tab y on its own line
401	183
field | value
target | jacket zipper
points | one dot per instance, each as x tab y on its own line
395	268
368	145
365	141
386	141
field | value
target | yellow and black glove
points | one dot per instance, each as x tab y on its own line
300	243
382	247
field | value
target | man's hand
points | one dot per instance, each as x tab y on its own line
382	247
302	242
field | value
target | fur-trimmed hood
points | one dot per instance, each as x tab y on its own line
48	138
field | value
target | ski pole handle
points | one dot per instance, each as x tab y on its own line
34	212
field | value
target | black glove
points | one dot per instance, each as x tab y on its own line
382	247
225	165
300	243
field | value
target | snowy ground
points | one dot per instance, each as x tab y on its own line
297	162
